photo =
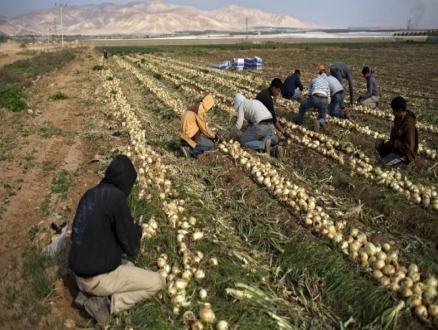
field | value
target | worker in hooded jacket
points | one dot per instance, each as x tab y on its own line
196	136
401	148
102	231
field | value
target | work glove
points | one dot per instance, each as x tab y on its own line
287	135
359	99
216	138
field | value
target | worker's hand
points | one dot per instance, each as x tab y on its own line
389	144
287	135
216	138
359	99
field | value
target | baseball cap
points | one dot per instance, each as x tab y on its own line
321	68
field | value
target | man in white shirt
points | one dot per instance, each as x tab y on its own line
319	98
260	134
337	95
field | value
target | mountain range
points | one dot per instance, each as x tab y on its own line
139	18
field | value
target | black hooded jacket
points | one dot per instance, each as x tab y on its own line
103	228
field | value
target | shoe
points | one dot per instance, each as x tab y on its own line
98	308
268	147
347	115
81	299
185	150
279	152
316	126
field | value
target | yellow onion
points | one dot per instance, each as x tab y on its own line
421	311
189	317
197	326
222	325
207	314
414	301
384	280
377	274
433	310
394	287
379	264
202	294
370	249
213	262
431	281
406	292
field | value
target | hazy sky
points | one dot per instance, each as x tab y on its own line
340	13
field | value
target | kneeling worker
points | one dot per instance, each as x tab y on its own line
402	146
266	95
103	230
260	134
371	97
196	137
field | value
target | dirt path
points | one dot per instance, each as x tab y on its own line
35	152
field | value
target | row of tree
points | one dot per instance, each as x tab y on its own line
418	33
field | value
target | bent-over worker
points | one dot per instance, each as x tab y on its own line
260	134
340	71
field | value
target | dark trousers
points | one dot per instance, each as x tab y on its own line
390	156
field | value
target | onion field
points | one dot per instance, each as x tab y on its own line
326	238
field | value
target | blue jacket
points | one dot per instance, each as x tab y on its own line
290	85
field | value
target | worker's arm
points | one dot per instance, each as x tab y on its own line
126	231
350	84
406	142
201	120
279	127
237	127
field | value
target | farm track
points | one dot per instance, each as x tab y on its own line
122	64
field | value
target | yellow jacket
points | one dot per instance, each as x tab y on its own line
194	122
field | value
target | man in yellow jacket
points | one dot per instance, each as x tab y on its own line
196	137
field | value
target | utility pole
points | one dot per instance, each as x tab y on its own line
54	23
60	5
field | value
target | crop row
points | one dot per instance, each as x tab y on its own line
387	270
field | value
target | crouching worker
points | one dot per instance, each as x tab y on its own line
402	146
260	134
103	230
371	97
196	137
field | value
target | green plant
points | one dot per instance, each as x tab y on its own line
157	76
11	98
97	67
59	96
49	131
46	203
263	86
62	182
